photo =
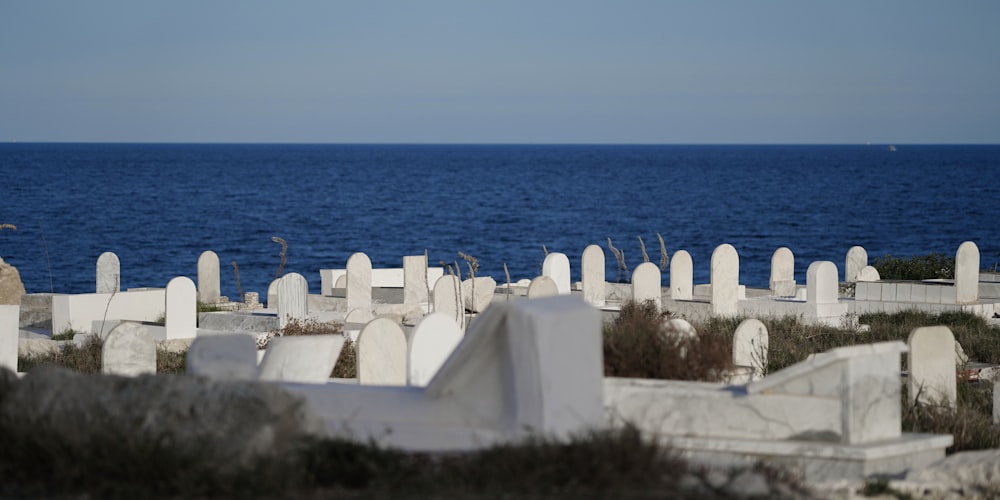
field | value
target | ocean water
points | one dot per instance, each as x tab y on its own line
158	206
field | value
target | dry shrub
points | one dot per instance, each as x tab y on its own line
970	422
310	327
171	362
347	362
638	344
84	359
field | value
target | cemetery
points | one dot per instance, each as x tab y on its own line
442	364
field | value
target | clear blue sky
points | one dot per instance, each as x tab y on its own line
573	71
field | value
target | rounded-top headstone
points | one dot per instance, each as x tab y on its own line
431	343
556	266
822	285
750	345
382	353
542	286
681	276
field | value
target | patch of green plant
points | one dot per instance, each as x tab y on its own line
66	334
637	343
915	267
204	307
171	362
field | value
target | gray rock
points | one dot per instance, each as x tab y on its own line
228	422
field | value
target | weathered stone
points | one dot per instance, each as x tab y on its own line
208	277
109	273
681	276
477	293
223	357
382	353
592	275
857	259
868	274
931	360
8	336
725	279
432	341
967	273
542	286
556	266
646	282
782	280
307	358
750	344
129	350
293	294
11	287
447	293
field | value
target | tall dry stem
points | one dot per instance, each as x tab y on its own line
283	255
642	246
620	258
664	259
236	270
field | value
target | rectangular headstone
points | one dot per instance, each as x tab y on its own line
414	279
857	259
782	280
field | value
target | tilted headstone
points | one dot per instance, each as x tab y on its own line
542	286
725	279
382	353
447	297
414	279
931	361
208	277
750	344
822	285
431	342
477	293
868	274
592	275
857	259
556	266
181	309
359	281
681	276
293	298
129	350
223	357
783	272
109	273
967	273
305	359
646	284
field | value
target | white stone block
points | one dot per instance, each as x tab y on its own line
128	350
293	299
868	273
750	344
307	359
415	287
821	283
477	293
949	295
904	292
447	298
934	294
889	292
223	357
78	312
918	293
931	362
782	272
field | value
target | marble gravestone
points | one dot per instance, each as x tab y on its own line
725	279
556	266
592	275
359	281
681	276
108	273
431	342
181	309
382	353
293	298
857	259
646	284
128	350
209	289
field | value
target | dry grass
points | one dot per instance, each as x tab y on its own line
347	362
637	344
971	422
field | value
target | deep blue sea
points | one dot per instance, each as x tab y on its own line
158	206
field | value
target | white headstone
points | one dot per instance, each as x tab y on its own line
857	259
681	276
223	357
931	361
109	273
181	309
272	294
542	286
305	359
128	350
414	279
867	274
646	284
725	279
341	282
447	291
293	298
9	321
358	315
592	275
822	285
382	353
359	281
431	342
556	266
967	273
679	327
750	344
478	293
783	272
208	277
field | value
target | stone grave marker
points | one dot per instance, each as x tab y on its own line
556	266
109	272
359	281
431	342
646	284
542	286
223	357
447	291
725	279
272	294
592	275
293	298
931	361
783	272
822	283
857	259
967	273
305	359
477	293
128	350
681	276
414	279
181	309
209	289
867	274
750	344
382	353
9	339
